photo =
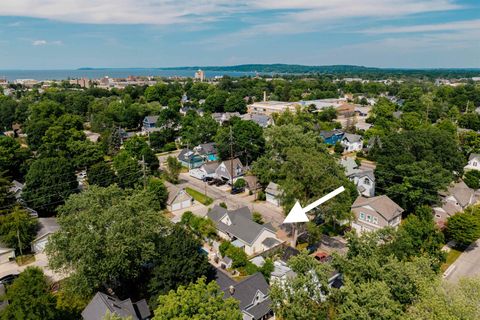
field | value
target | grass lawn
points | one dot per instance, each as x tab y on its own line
452	255
198	196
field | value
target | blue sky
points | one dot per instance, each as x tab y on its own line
56	34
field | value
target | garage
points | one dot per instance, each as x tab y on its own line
178	199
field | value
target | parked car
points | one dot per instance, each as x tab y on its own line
237	190
208	179
212	182
8	279
322	256
220	182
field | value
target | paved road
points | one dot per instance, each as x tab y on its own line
41	261
467	265
269	212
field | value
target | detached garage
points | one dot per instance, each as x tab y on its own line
178	199
272	193
6	254
47	226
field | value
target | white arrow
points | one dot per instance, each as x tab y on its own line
298	214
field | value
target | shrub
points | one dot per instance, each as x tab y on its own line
223	205
250	268
472	179
240	183
257	217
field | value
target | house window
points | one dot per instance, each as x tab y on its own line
362	216
474	163
375	220
369	218
366	181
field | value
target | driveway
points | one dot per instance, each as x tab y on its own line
269	212
41	261
467	265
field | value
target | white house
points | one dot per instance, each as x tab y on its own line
363	178
238	227
224	170
206	170
47	226
272	193
473	162
178	199
375	213
352	142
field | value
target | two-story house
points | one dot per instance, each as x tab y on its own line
363	178
375	213
473	162
196	157
150	124
230	170
238	227
352	142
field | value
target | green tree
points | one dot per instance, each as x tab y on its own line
29	298
472	179
257	217
101	174
236	103
13	157
179	262
48	183
127	169
173	169
197	301
463	228
17	229
7	198
158	191
121	230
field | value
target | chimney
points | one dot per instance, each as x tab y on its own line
264	96
231	289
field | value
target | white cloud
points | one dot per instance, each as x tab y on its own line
164	12
45	42
450	26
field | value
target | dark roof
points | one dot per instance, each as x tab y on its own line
352	137
223	280
246	289
289	252
242	226
46	226
101	303
210	167
270	242
206	148
261	309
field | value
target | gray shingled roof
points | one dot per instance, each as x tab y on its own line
364	173
383	205
151	119
101	303
46	226
261	309
210	167
246	290
327	134
270	242
352	137
175	192
223	280
473	155
242	227
273	189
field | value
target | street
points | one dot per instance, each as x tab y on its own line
269	212
467	265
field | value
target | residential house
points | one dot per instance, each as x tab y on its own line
375	213
102	303
272	193
238	227
473	162
261	119
363	178
16	189
47	226
352	142
150	124
206	170
230	170
6	254
178	198
281	272
200	154
224	116
252	183
253	295
332	137
456	198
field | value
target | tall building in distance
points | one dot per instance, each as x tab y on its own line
200	75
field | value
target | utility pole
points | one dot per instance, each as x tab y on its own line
231	157
144	173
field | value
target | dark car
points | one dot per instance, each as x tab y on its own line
220	182
208	179
8	279
212	182
237	190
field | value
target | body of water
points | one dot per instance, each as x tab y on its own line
12	75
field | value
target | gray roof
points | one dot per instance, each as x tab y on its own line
364	173
245	292
151	119
175	194
210	167
260	119
206	148
462	193
222	279
236	163
270	242
472	155
46	226
327	134
242	226
261	309
383	205
349	164
101	303
273	189
352	137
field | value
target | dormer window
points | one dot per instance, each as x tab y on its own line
366	181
